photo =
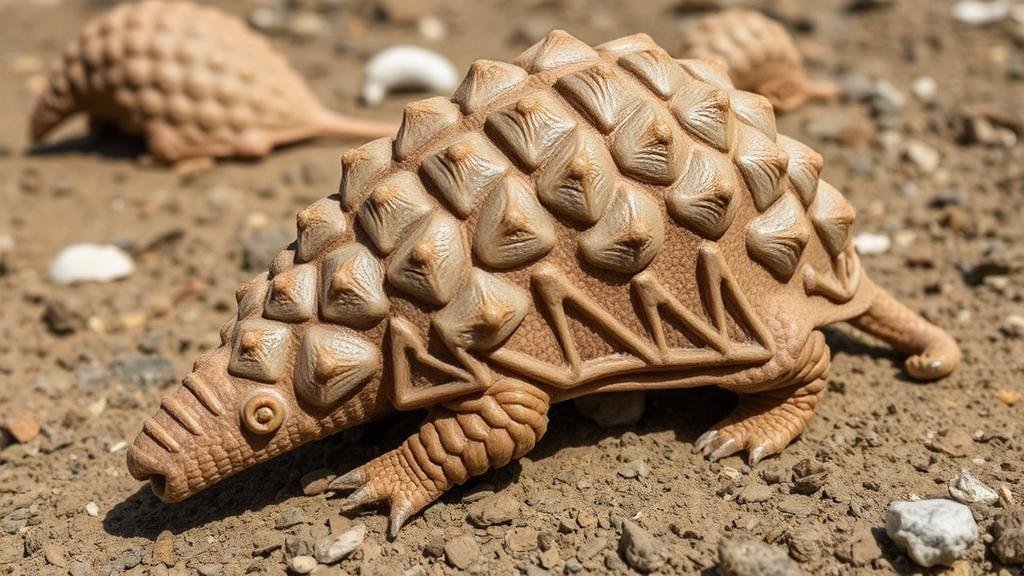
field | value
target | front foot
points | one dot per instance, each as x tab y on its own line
459	440
763	424
395	478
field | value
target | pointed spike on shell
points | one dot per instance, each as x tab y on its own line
396	203
558	48
755	110
711	70
332	362
513	228
702	200
629	235
762	164
579	180
532	127
483	314
803	169
465	170
601	93
832	217
627	44
352	287
360	167
292	295
657	70
776	239
704	110
431	264
259	350
318	225
649	146
486	81
251	295
421	122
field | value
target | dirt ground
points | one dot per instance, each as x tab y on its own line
940	175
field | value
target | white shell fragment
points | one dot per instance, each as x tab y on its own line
90	263
407	67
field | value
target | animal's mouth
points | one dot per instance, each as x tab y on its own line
167	484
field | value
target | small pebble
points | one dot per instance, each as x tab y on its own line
23	425
932	532
302	564
922	155
869	244
925	88
738	556
1008	537
755	493
493	510
90	263
333	549
92	509
316	481
639	549
462	551
965	488
980	13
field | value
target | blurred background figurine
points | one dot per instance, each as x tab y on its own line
760	54
195	82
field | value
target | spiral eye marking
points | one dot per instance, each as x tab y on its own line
263	411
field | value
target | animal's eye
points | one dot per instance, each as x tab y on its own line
263	411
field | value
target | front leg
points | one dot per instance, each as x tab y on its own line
458	440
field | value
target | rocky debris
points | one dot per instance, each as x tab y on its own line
289	517
1013	326
860	549
965	488
754	493
163	549
981	13
611	410
261	244
520	539
640	550
1008	537
869	244
808	476
62	319
92	509
743	556
493	510
55	555
266	541
214	569
804	543
23	425
1009	397
142	371
932	532
955	443
90	263
461	551
316	481
302	564
333	549
634	469
922	155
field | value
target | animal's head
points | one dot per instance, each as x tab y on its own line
272	386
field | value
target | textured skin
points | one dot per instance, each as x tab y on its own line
194	81
760	54
586	220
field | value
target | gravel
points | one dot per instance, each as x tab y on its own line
932	532
640	550
742	556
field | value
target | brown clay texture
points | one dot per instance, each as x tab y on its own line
760	54
196	82
82	367
585	220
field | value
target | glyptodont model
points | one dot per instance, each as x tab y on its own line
760	55
585	220
195	82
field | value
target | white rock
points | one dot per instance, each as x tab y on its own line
978	13
925	88
432	28
92	509
922	155
335	548
302	564
407	68
90	263
931	531
964	487
870	244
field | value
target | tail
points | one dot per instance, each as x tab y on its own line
792	93
52	107
333	125
933	352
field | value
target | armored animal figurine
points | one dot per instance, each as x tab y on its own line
585	220
195	82
760	55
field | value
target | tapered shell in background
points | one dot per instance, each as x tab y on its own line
194	81
760	54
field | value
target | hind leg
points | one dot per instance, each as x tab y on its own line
765	422
459	440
